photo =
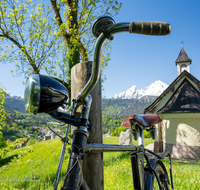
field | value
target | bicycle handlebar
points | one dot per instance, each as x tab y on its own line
96	67
148	28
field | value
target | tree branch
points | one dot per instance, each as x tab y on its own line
35	69
58	18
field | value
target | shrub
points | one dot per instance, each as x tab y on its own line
146	134
31	142
2	141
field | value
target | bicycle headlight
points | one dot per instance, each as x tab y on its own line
43	94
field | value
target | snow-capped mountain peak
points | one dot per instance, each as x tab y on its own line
15	97
154	89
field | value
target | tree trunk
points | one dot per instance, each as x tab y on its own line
92	163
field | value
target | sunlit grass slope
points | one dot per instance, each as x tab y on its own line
35	167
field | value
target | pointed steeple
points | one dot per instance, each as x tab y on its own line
183	57
183	62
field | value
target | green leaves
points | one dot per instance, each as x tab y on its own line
2	109
2	115
38	40
28	31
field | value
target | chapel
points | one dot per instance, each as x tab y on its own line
179	108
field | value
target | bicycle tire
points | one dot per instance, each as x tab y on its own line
159	170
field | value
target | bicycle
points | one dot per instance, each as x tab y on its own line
46	95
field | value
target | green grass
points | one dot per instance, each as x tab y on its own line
186	174
36	169
117	166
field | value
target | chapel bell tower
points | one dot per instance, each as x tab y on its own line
183	62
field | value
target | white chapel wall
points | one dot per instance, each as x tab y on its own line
183	129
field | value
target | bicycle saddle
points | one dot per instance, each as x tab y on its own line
144	120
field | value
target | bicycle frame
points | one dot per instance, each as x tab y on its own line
80	147
74	179
80	135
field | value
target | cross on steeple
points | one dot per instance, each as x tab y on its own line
182	42
183	61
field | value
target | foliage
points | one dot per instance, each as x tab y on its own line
16	121
75	19
2	115
146	134
31	142
10	147
29	34
2	108
113	124
110	123
2	141
36	40
118	130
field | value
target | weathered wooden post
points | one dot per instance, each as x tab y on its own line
92	162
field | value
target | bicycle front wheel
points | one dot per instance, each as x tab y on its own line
163	178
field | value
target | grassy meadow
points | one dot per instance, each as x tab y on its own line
34	167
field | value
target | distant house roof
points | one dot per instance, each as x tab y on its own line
183	57
185	99
151	107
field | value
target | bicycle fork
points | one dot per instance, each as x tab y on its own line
74	179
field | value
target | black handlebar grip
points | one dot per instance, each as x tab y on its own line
150	28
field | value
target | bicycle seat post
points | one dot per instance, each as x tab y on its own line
140	136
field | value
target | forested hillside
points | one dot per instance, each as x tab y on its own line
114	112
126	107
19	122
14	105
110	123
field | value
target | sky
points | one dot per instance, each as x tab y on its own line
138	59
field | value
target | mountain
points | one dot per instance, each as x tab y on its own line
126	107
112	107
154	89
15	104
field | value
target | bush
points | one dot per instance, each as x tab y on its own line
31	142
2	141
146	134
118	130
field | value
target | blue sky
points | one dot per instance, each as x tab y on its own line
138	59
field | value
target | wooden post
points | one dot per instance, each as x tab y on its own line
92	166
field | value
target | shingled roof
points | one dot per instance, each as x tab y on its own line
184	74
183	57
185	99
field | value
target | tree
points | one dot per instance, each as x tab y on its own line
29	35
35	42
75	19
2	115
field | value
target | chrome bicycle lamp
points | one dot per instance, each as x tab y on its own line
44	94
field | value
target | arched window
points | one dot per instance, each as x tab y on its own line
183	67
